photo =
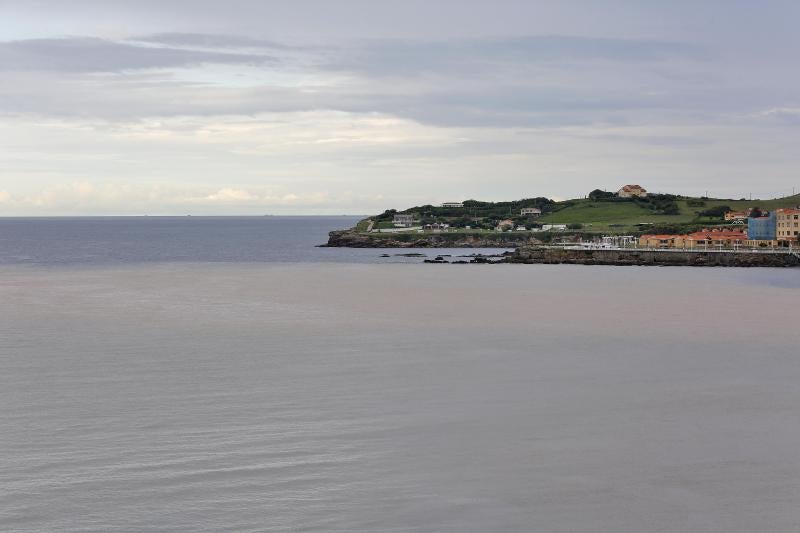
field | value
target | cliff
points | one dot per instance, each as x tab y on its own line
548	255
356	239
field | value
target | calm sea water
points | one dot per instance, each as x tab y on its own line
125	240
185	384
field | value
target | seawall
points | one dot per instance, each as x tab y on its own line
553	255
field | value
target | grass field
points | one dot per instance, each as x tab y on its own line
600	216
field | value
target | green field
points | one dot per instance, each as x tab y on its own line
618	216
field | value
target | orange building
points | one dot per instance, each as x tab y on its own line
736	215
705	238
712	238
630	191
658	241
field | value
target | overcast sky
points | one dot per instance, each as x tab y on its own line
355	106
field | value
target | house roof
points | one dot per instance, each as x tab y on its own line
629	188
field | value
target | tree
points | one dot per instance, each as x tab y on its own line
715	212
599	194
756	212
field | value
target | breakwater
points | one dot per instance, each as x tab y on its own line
640	257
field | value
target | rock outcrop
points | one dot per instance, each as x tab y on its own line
356	239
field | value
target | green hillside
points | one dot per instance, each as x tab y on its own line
603	214
608	215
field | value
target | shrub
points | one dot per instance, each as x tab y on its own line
715	212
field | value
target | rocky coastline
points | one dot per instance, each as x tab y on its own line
356	239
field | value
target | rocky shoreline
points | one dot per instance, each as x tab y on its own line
355	239
529	250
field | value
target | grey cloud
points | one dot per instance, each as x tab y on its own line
210	40
613	86
75	55
393	57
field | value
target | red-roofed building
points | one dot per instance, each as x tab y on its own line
712	238
631	191
705	238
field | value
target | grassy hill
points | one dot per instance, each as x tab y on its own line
605	216
611	215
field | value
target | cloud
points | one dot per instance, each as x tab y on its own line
786	115
126	197
209	41
88	54
228	194
476	57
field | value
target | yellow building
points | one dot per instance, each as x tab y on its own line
658	241
788	224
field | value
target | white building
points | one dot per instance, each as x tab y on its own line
530	211
453	204
401	220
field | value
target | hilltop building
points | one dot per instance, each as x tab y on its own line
453	204
530	211
632	191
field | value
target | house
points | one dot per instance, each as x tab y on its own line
787	224
521	228
453	204
736	215
436	226
402	220
504	224
631	191
530	211
658	241
554	227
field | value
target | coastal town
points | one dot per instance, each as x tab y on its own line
629	226
752	227
779	228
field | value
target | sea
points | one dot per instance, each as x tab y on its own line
196	374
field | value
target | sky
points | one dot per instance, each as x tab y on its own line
251	107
